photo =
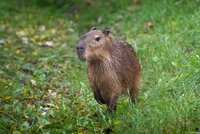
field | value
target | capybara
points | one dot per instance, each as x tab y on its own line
113	68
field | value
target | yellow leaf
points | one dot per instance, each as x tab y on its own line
31	106
16	132
6	97
21	33
18	51
40	43
42	37
10	40
33	40
35	52
53	31
80	131
117	123
5	49
41	126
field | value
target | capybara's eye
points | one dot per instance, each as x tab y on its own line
97	38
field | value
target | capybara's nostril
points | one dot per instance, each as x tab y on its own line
79	48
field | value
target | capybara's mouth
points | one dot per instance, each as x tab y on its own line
81	56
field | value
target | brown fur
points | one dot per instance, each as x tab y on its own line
113	68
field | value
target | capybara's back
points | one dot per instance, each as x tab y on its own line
113	68
127	67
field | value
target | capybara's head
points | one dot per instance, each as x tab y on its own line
94	45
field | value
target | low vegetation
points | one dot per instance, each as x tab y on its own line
44	86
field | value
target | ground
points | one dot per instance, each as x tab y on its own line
44	86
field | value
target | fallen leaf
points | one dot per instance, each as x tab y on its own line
16	132
41	126
52	94
10	40
148	25
43	113
33	82
49	44
53	31
2	42
6	98
21	33
42	28
31	106
18	51
117	123
25	40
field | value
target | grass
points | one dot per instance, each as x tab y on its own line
44	89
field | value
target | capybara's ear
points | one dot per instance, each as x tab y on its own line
106	31
93	28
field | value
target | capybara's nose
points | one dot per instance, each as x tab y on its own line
79	48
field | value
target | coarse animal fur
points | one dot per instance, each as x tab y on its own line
113	68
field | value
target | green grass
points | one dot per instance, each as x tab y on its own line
45	89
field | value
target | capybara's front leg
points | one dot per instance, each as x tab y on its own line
112	105
97	94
